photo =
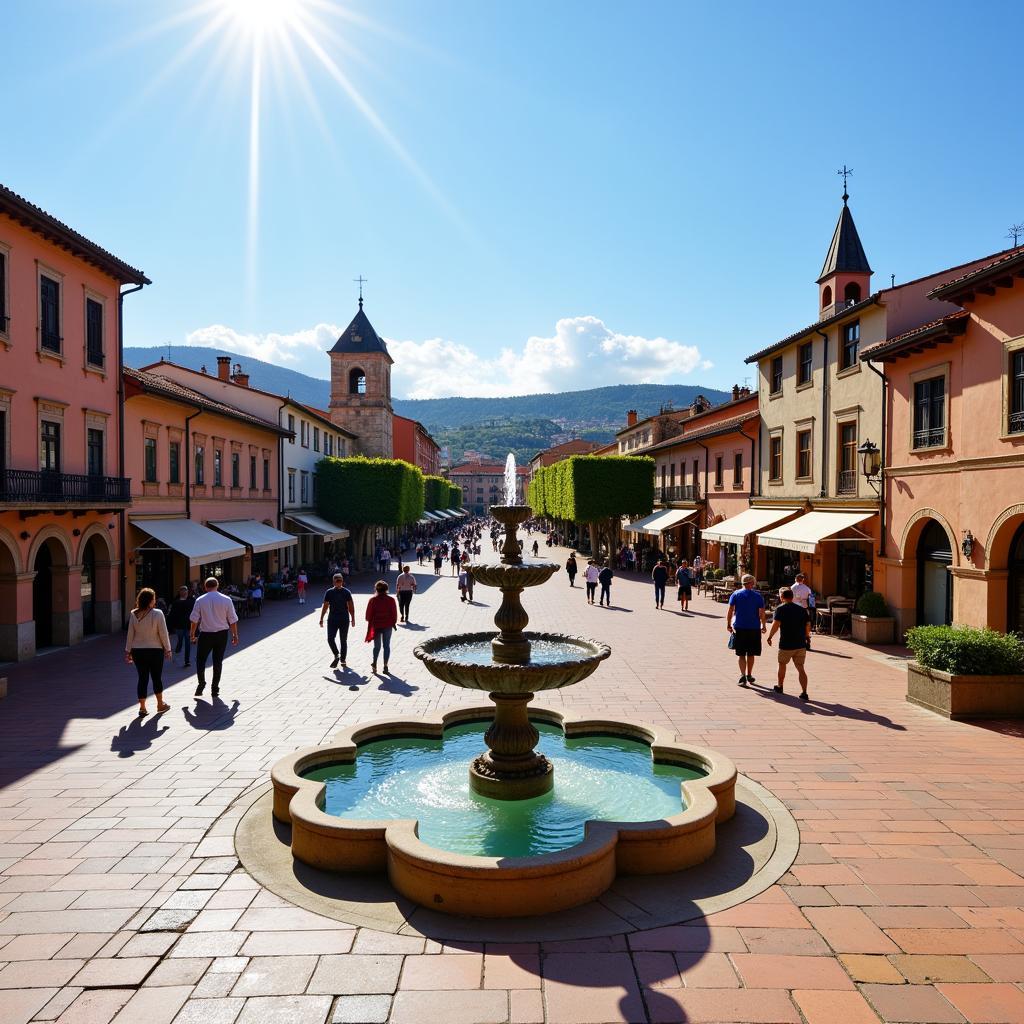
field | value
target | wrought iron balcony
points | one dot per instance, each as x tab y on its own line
931	438
46	487
847	483
678	492
1017	422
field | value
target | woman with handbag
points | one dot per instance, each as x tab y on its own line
147	647
381	619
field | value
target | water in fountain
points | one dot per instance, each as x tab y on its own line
510	479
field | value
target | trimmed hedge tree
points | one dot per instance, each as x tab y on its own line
595	490
359	493
435	492
454	496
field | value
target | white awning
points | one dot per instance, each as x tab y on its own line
674	518
433	517
649	523
258	536
314	524
806	532
424	522
750	520
191	539
444	514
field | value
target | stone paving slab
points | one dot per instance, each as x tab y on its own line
121	898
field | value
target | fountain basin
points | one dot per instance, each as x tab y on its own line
502	886
464	659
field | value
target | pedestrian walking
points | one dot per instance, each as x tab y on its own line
793	625
660	576
469	583
405	587
463	584
604	577
340	610
381	617
385	560
177	622
536	549
438	561
571	568
300	585
590	576
804	597
213	617
698	569
146	648
456	560
745	621
684	586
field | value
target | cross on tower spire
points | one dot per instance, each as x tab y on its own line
844	174
360	280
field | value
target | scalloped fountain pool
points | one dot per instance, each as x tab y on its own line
607	778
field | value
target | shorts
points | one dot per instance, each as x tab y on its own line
798	657
684	591
747	643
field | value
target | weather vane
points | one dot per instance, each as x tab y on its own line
844	174
360	280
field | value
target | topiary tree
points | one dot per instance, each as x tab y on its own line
359	493
454	497
435	492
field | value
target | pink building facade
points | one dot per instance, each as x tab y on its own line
954	456
63	486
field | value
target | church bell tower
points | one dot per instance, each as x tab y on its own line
361	386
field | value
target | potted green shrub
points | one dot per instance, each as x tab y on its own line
872	623
961	672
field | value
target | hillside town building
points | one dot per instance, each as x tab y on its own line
483	485
64	488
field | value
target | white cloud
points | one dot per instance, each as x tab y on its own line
582	353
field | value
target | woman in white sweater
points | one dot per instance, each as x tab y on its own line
147	647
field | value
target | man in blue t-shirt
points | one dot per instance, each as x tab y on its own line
746	621
339	609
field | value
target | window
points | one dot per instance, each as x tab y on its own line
672	474
291	427
94	452
149	461
696	471
847	458
851	342
316	439
718	470
1016	423
826	296
851	293
200	465
49	446
804	363
357	382
266	474
304	433
291	486
305	488
218	469
236	469
252	472
775	385
93	332
930	413
803	455
49	314
174	462
737	469
3	293
775	458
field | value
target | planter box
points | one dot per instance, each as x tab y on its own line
869	630
965	697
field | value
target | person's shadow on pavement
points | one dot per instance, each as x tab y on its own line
137	735
393	684
211	717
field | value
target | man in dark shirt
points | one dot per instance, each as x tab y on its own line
340	610
660	576
793	625
177	620
605	579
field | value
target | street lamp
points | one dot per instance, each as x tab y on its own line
870	461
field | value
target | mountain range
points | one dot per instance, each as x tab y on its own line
595	413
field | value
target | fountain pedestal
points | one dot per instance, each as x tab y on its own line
510	768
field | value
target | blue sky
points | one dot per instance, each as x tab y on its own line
542	196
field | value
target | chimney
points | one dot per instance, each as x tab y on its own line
735	392
744	392
631	418
224	367
239	378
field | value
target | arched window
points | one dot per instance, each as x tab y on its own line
357	382
826	296
852	292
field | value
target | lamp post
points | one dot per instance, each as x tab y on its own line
870	462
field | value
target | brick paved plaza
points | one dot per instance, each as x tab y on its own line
122	899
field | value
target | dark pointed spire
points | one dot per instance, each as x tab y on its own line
845	254
360	337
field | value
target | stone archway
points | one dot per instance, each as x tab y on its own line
1004	570
916	525
56	590
100	590
17	632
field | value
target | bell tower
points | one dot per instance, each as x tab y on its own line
845	275
361	386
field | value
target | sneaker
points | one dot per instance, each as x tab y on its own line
778	689
334	664
804	696
373	668
750	679
743	681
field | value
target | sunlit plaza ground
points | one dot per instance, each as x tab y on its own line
122	898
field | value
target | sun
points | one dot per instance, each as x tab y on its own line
264	17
